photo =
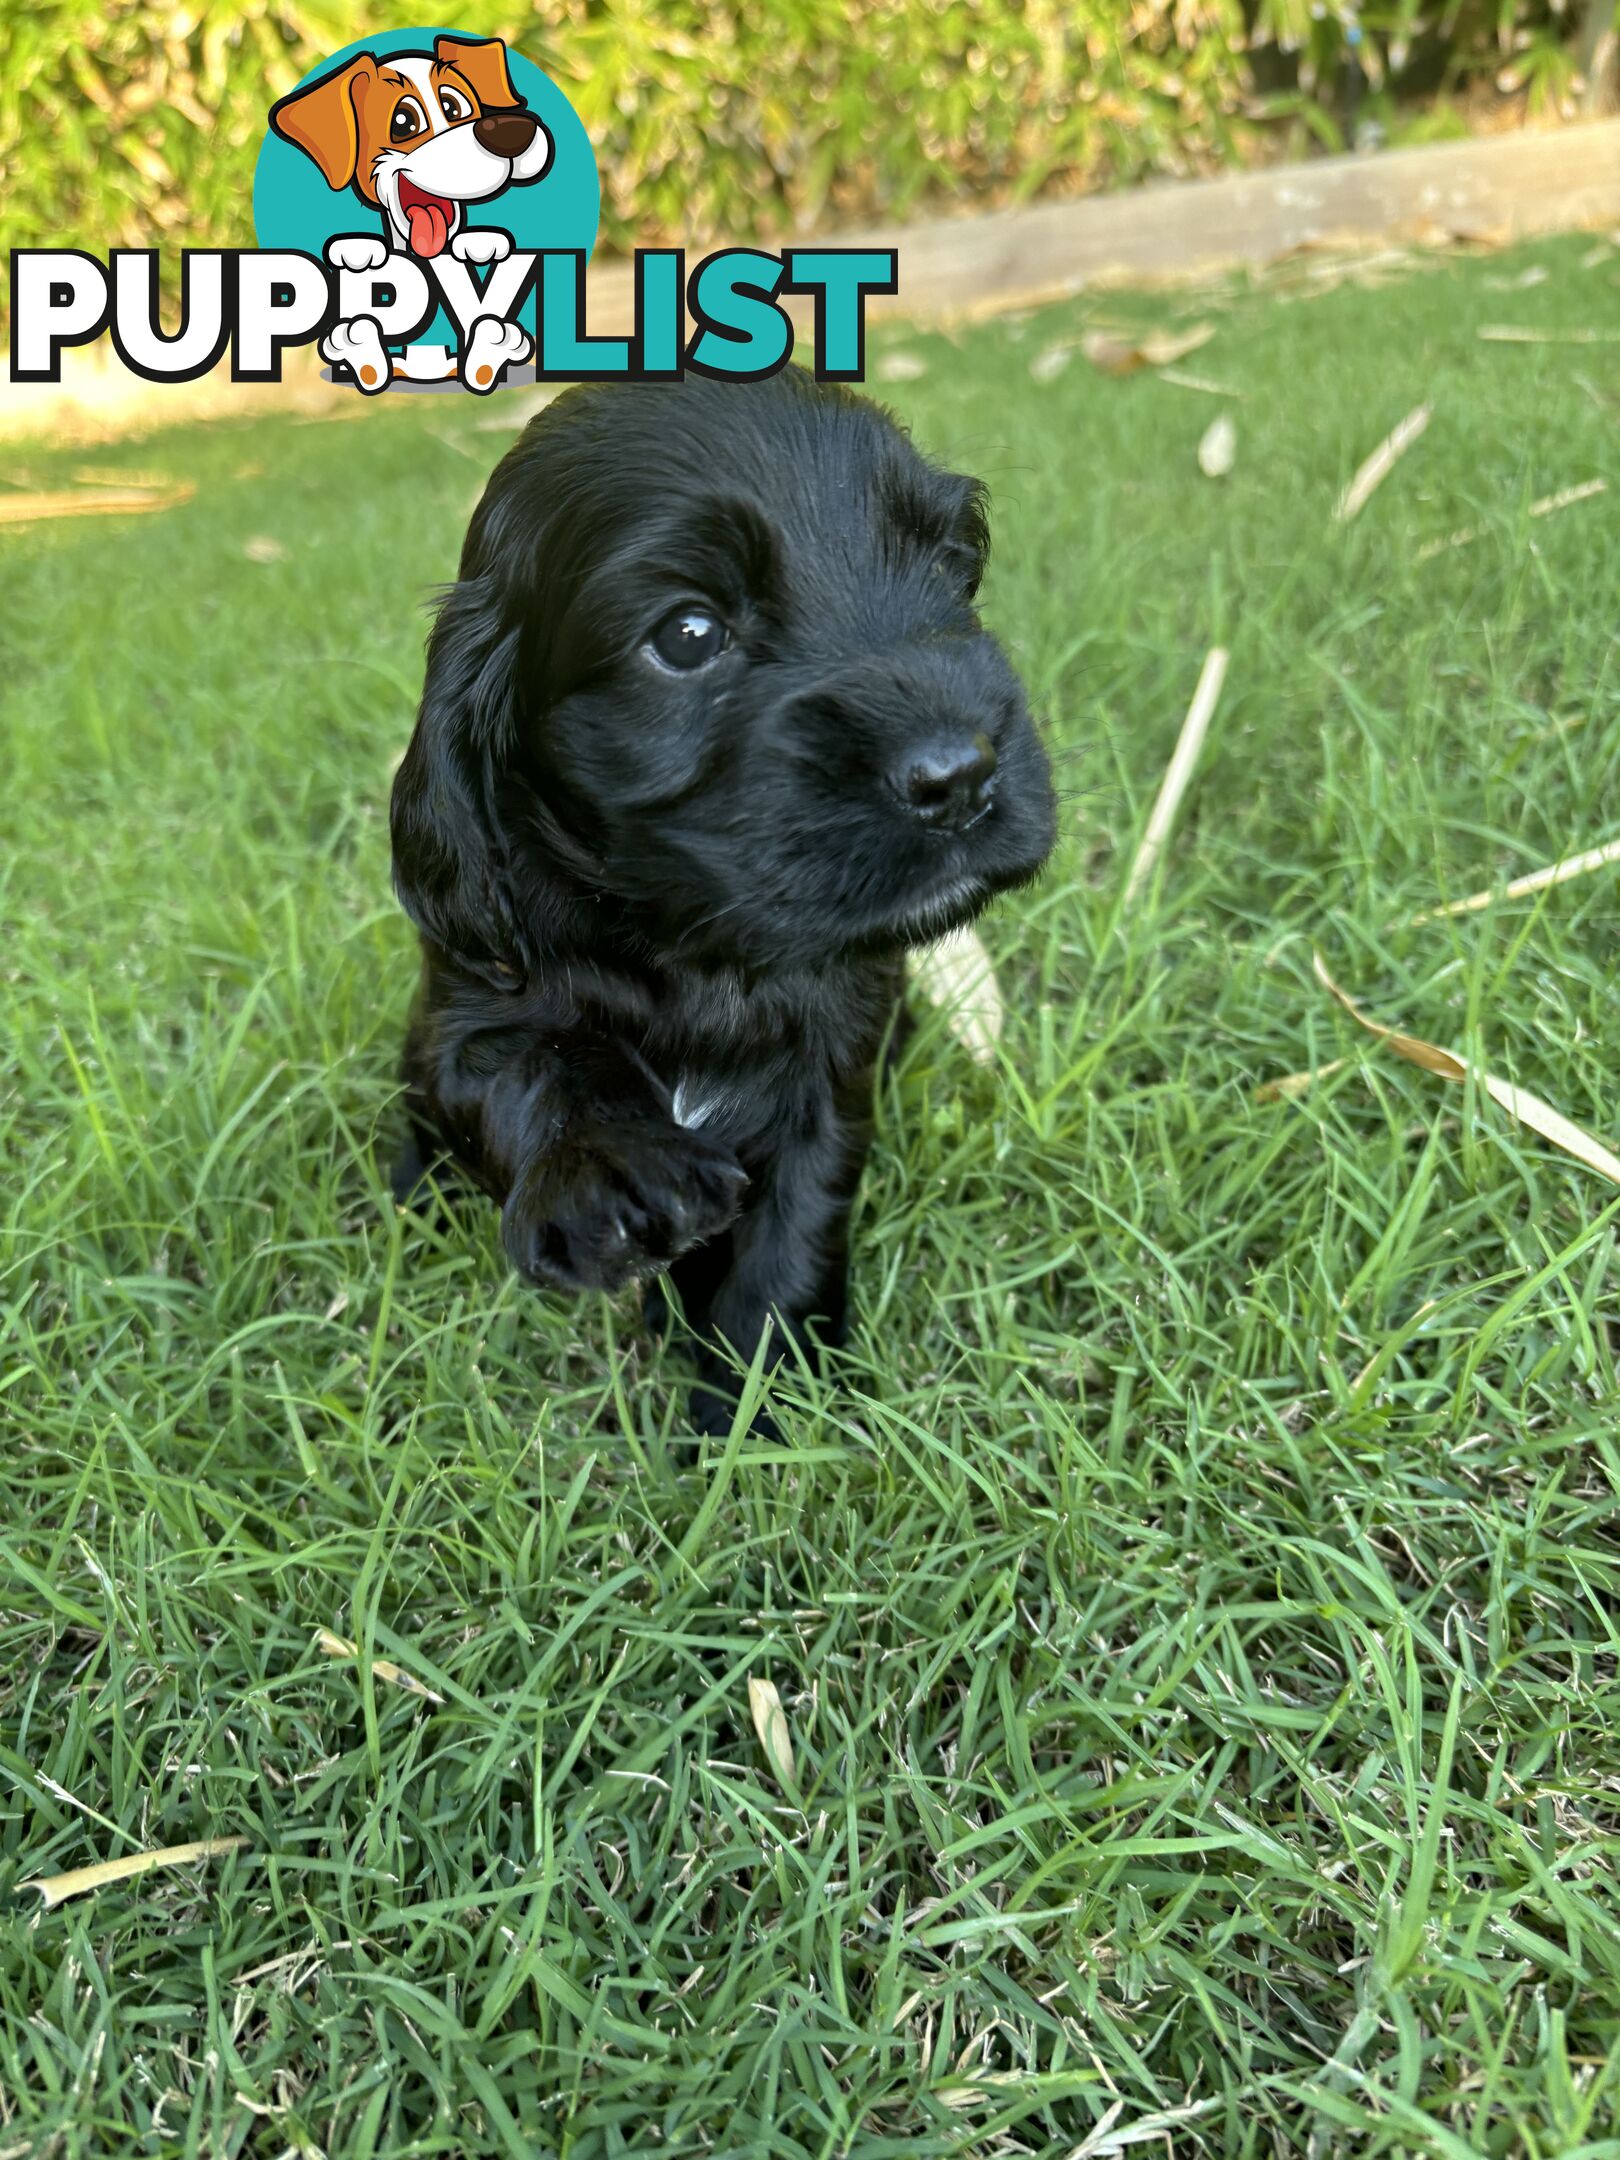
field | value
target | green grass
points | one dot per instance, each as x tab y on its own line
1196	1610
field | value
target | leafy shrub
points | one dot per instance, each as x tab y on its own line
128	122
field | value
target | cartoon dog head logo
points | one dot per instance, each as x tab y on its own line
406	165
419	135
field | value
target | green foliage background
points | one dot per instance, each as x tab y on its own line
123	122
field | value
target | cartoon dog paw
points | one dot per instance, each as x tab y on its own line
358	346
493	347
481	244
357	251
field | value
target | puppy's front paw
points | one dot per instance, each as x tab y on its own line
481	244
610	1206
357	251
493	347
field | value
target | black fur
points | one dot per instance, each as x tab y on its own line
642	891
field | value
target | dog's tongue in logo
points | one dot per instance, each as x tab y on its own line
428	217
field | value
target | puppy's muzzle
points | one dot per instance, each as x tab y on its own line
947	780
505	134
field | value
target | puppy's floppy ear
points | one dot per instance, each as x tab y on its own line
323	118
452	868
483	62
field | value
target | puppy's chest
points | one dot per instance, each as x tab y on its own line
754	1104
764	1069
754	1107
705	1099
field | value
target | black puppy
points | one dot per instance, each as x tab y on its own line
711	733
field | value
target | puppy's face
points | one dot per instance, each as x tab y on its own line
750	687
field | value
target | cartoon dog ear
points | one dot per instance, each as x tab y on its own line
452	866
323	119
483	62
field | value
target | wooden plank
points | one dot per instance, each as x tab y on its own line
1502	187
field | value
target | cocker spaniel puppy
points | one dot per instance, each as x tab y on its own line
711	733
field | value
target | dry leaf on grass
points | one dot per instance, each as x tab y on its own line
1287	1085
1546	506
89	502
263	548
1529	1110
57	1889
956	975
1204	383
1179	771
1373	471
1537	274
384	1668
1558	873
770	1722
901	367
110	476
1217	449
1049	363
1117	355
1514	334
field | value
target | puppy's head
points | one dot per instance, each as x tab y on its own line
418	134
714	660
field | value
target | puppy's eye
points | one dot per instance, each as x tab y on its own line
688	639
454	106
408	120
961	568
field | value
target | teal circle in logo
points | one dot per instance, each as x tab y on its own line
296	206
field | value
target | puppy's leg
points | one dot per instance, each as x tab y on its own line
573	1134
786	1261
410	1169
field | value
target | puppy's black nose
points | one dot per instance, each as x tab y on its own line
507	134
946	781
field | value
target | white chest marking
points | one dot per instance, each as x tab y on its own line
690	1110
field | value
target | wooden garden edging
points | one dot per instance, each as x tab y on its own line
1502	187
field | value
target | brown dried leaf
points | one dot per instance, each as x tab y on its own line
956	976
1049	363
1184	381
89	502
1465	535
385	1669
1558	873
1529	1110
1513	334
1287	1085
770	1722
110	476
1373	471
1217	449
1163	348
1179	771
55	1890
1114	354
